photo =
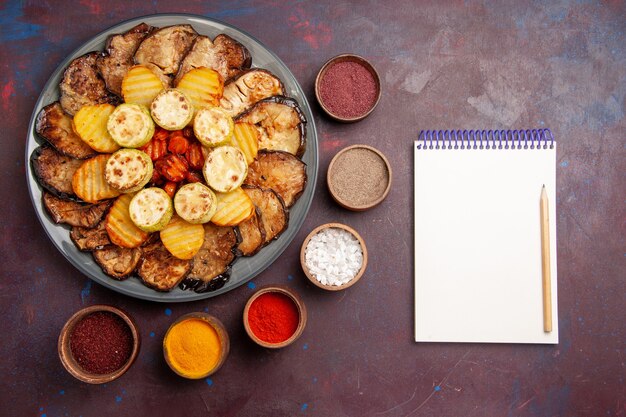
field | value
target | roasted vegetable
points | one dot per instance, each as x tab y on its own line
281	124
89	183
74	213
54	171
171	109
274	216
90	238
172	167
55	126
151	209
225	168
130	125
159	269
232	208
128	170
118	56
82	85
90	123
195	202
280	171
248	88
140	85
116	262
166	47
224	55
121	229
203	86
252	234
213	126
246	138
211	265
181	238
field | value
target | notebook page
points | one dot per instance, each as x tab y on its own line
477	245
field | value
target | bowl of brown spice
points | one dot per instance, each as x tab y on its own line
359	177
347	87
98	344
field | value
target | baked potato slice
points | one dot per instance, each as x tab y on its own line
274	216
55	126
280	171
54	171
74	213
166	47
248	88
82	85
159	269
89	239
118	56
211	265
117	262
251	233
222	54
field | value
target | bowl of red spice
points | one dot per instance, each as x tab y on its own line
98	344
274	317
347	88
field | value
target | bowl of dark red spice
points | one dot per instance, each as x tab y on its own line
333	256
347	88
274	317
359	177
98	344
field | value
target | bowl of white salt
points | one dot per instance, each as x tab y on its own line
333	256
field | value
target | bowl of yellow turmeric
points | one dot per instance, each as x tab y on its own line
196	345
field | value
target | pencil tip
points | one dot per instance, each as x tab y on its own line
543	186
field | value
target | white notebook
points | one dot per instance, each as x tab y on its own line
478	275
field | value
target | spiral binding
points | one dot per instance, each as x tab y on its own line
486	139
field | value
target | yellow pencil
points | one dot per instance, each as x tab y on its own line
545	261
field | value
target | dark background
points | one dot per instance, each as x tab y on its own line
457	64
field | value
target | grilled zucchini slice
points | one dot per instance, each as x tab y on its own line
195	202
90	123
181	238
171	109
121	229
89	182
280	171
130	125
141	86
128	170
159	269
151	209
225	168
213	126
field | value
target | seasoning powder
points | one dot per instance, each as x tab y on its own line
348	89
273	317
334	256
101	342
359	177
194	348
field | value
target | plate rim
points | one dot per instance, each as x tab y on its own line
152	295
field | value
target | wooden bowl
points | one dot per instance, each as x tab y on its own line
221	333
333	171
301	312
312	278
65	353
347	58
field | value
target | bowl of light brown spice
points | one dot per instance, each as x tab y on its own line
359	177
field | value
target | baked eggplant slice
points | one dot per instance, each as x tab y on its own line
118	57
117	262
54	171
159	269
55	126
280	171
274	215
166	47
246	89
90	238
82	85
251	233
74	213
281	124
211	265
223	54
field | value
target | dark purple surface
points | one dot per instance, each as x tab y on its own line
442	65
